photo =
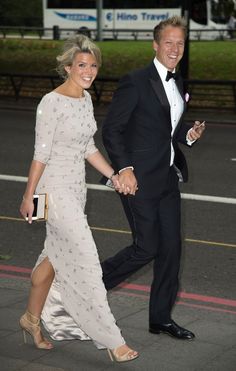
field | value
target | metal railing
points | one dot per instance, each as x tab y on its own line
115	34
217	94
203	93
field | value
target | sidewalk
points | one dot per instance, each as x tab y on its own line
214	348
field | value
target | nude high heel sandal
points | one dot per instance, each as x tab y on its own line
130	355
31	325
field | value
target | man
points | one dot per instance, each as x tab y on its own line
141	134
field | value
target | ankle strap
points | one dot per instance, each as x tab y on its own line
31	316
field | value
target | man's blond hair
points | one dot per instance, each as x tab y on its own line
174	21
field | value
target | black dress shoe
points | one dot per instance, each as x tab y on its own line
172	329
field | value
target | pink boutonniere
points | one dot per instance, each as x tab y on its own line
187	97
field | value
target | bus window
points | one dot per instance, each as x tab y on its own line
71	4
130	4
198	12
140	4
113	4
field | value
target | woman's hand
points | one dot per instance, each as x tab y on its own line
115	181
27	208
27	205
128	182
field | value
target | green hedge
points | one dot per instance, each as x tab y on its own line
208	59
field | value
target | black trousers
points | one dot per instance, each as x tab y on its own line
155	225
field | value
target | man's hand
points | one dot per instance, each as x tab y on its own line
128	182
196	131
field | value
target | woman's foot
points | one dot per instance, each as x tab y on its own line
122	354
31	325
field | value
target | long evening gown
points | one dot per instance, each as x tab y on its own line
76	306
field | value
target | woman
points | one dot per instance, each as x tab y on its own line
68	272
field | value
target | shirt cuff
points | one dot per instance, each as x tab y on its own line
189	142
125	168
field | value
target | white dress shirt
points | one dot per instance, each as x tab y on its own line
175	100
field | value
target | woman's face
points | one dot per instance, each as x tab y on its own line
83	70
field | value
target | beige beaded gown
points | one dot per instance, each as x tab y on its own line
76	306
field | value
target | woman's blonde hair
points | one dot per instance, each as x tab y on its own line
77	44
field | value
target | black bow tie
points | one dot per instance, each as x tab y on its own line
170	75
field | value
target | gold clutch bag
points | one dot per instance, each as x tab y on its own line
40	207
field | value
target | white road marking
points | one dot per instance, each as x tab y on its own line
99	187
224	200
13	178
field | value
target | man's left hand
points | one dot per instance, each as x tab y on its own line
196	131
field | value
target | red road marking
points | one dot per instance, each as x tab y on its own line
212	309
12	268
184	295
5	275
135	287
208	299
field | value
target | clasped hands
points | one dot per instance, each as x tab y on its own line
125	182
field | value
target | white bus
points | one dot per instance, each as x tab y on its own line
127	19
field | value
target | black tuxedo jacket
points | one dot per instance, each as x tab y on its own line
137	130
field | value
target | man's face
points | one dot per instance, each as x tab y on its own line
170	47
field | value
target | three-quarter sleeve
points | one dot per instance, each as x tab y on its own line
90	148
46	120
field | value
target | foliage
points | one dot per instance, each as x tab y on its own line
21	13
208	59
213	60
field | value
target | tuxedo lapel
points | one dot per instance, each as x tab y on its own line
158	88
160	93
179	84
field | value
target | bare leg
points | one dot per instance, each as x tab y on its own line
41	282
